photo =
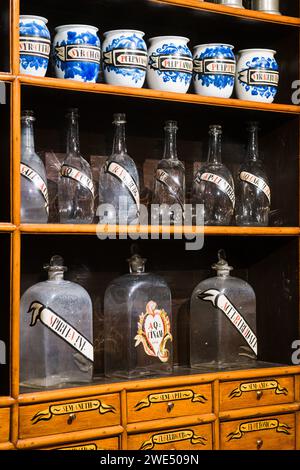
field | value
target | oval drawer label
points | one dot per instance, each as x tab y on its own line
255	386
66	408
173	436
170	396
261	425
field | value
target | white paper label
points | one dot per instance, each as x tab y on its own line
36	179
222	184
61	328
222	302
173	187
71	172
117	170
258	182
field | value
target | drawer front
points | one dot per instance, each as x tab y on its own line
168	403
110	443
185	438
267	433
69	415
257	392
4	424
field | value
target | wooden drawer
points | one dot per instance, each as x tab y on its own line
110	443
168	403
267	433
4	424
69	415
184	438
257	392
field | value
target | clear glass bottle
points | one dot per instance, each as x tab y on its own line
137	324
213	185
34	189
169	186
222	320
253	190
119	190
56	331
75	186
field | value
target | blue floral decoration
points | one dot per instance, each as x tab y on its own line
172	49
265	91
221	80
88	71
33	29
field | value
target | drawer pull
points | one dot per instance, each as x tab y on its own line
170	406
259	443
259	394
71	418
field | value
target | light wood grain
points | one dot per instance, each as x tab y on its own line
14	36
4	424
111	443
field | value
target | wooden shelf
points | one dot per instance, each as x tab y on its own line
6	77
237	12
6	227
156	95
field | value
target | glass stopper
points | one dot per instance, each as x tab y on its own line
215	129
222	266
119	118
136	264
28	115
56	264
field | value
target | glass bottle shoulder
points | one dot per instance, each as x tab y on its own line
131	282
254	167
225	285
46	291
78	162
33	160
217	169
170	163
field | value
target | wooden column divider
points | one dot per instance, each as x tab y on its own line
124	419
14	36
216	409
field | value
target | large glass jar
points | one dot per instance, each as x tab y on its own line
137	324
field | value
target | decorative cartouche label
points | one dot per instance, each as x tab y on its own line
67	408
37	180
173	436
256	386
129	58
173	187
260	425
165	397
170	63
154	331
119	172
258	182
77	175
34	46
222	302
215	66
259	77
61	328
222	184
78	53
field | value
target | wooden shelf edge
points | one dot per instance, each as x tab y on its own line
6	401
6	77
145	93
258	411
238	12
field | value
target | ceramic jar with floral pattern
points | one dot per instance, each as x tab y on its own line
35	45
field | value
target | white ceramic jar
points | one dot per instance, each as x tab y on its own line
214	70
170	64
35	45
76	52
257	75
124	57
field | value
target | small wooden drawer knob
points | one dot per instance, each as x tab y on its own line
71	418
259	443
259	394
170	406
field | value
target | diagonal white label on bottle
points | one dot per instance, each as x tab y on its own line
61	328
222	302
77	175
222	184
119	172
37	180
258	182
173	187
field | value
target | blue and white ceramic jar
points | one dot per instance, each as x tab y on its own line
35	45
214	70
76	52
170	64
125	57
257	75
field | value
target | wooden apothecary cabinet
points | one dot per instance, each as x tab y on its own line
250	409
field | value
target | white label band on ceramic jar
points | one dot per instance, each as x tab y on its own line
222	184
119	172
34	46
171	63
258	182
71	172
78	53
215	66
259	77
37	180
172	186
132	58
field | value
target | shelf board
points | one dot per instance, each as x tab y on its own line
92	229
236	12
155	94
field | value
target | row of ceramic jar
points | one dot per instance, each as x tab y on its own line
168	63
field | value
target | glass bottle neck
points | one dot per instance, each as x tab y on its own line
252	150
55	275
119	143
170	150
27	136
73	146
215	148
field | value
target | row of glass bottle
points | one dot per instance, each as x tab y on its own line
57	326
119	188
